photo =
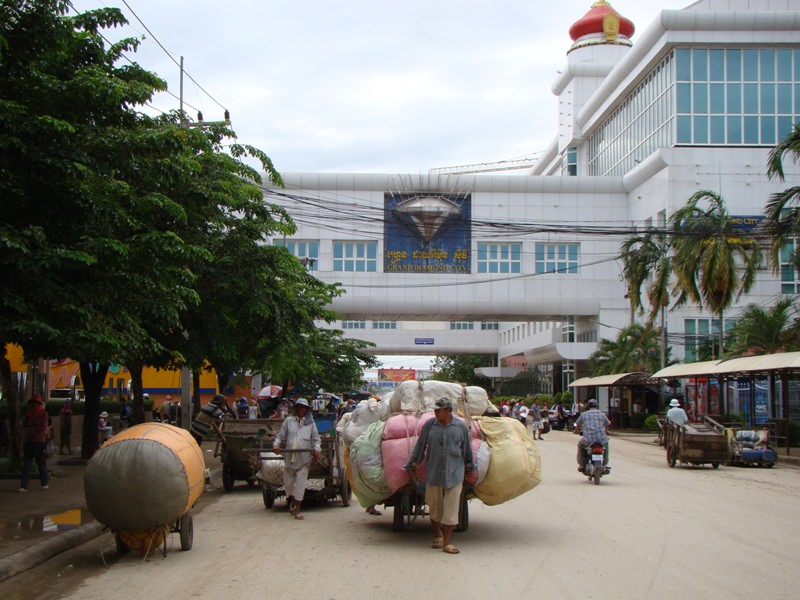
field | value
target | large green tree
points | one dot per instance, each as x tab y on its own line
714	261
460	368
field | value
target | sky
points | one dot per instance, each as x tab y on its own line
368	87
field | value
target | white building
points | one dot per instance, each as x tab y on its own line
527	265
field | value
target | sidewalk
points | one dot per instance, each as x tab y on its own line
43	523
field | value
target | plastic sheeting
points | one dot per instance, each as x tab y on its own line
146	476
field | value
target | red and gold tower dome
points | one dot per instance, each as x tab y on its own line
601	25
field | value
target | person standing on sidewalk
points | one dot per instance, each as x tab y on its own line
34	425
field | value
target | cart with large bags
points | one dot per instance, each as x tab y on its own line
327	478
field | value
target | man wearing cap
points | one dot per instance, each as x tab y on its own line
593	425
445	444
676	414
298	435
211	413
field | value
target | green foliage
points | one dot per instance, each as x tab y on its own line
637	420
460	368
765	330
650	423
636	348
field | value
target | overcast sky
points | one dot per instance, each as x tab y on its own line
369	86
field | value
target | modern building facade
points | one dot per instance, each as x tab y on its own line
526	267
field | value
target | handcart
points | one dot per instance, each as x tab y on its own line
750	447
409	503
327	478
157	537
237	438
697	444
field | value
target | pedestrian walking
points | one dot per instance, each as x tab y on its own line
34	424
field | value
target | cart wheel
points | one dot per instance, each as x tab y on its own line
268	494
346	492
186	528
596	473
715	465
227	478
122	547
463	514
398	518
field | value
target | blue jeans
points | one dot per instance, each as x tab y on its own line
33	451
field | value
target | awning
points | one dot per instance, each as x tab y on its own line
764	363
634	378
688	369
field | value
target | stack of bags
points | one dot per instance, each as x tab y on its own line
381	435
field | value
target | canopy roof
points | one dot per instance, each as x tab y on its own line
764	363
634	378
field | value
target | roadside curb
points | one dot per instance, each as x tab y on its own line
40	552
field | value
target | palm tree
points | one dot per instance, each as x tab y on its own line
781	209
714	262
763	331
635	349
647	258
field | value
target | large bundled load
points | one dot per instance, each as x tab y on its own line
514	463
506	459
365	414
420	396
143	479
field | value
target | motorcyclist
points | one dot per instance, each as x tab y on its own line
593	426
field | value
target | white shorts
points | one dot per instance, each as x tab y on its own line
538	425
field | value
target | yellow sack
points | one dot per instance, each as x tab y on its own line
514	463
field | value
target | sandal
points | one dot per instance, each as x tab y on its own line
450	549
438	543
299	517
373	511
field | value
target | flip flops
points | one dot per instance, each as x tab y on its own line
373	511
438	543
450	549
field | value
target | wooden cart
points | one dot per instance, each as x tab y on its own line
327	477
697	444
238	439
409	503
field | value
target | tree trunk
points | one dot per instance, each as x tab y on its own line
137	387
93	375
12	404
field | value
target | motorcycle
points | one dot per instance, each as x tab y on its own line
594	462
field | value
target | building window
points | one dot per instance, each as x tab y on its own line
569	162
384	324
307	251
700	332
557	258
359	257
354	324
461	325
790	277
499	258
490	326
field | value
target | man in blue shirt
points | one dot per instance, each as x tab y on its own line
593	426
445	443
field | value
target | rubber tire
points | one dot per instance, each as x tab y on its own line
227	479
346	492
398	518
122	547
671	458
715	465
463	514
186	529
596	474
269	495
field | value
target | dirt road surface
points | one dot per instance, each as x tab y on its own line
647	531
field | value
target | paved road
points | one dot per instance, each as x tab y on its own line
647	531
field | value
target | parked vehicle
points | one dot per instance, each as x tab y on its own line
62	394
594	466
